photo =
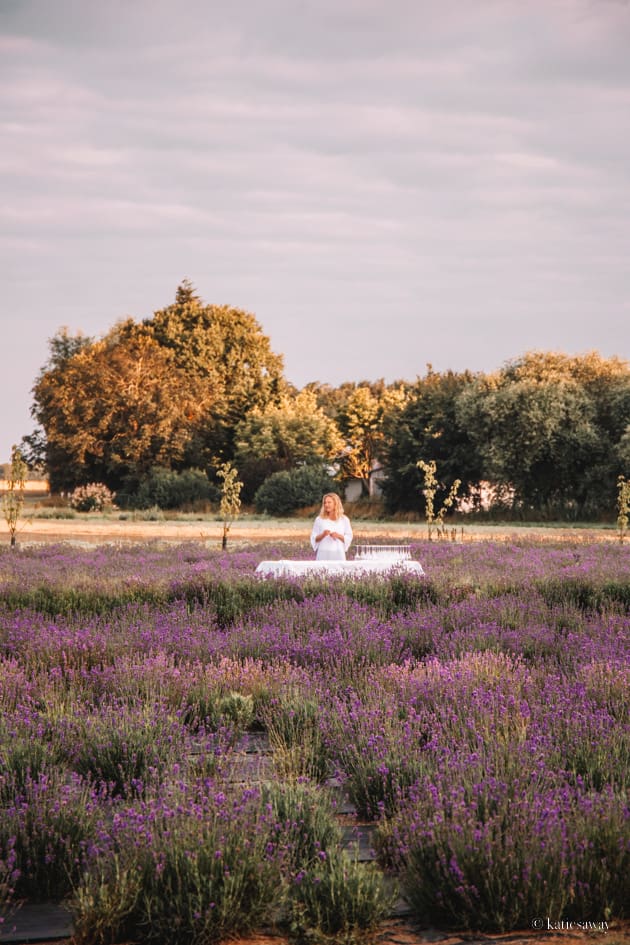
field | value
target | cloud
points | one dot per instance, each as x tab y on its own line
436	166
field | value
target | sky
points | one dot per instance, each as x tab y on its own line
384	184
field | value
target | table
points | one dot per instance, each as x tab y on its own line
355	568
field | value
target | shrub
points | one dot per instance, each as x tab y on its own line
511	851
304	821
8	877
94	497
197	869
339	901
125	749
43	833
295	737
168	489
284	492
22	760
205	706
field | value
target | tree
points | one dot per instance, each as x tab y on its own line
114	409
550	426
435	518
230	505
427	427
225	349
36	449
13	499
167	392
362	423
282	436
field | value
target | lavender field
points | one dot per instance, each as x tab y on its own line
479	717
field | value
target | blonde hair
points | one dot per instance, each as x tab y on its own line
338	506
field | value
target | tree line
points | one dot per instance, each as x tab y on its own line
172	398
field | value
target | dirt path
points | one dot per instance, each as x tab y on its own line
403	933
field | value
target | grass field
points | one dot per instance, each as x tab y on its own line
41	524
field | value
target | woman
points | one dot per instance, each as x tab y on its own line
331	534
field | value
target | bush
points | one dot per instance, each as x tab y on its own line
43	833
284	492
340	901
295	737
173	490
95	497
511	851
304	821
199	869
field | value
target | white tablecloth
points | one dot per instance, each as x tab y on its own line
355	568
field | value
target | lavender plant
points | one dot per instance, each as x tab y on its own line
304	822
447	709
292	724
197	867
45	831
8	877
339	901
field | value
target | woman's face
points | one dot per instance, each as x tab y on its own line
329	505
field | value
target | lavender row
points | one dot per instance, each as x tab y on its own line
62	579
484	726
329	631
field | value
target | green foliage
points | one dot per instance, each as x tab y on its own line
169	489
13	499
550	426
230	505
429	425
168	392
194	880
586	594
305	821
209	707
363	420
22	760
623	505
123	750
435	519
295	737
49	823
7	880
225	350
462	871
339	901
284	492
292	433
115	409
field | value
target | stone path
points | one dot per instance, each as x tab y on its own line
37	922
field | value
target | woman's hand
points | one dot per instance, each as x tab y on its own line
329	533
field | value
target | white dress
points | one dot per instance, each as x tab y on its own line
331	549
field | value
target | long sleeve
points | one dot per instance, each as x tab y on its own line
347	532
317	527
